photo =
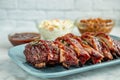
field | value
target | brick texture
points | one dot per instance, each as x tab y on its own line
3	14
26	14
106	4
55	4
30	12
83	5
8	4
26	4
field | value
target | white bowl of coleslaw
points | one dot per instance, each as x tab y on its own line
51	29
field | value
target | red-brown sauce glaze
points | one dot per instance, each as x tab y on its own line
22	38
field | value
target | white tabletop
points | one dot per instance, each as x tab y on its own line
10	71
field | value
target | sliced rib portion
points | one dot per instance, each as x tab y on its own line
95	55
97	44
106	51
109	42
117	44
36	53
67	56
92	41
53	55
69	41
71	50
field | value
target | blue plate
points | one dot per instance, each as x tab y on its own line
17	55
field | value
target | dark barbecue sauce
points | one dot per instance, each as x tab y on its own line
22	38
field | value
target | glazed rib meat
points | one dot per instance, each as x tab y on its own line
117	44
67	56
95	55
69	41
106	51
97	44
71	50
53	55
92	41
36	53
109	42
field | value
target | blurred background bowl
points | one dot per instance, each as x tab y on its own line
23	37
55	28
95	25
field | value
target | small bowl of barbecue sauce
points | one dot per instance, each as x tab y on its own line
23	37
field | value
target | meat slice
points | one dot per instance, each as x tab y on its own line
117	44
106	51
71	42
109	42
36	53
98	45
92	41
83	55
53	55
95	55
67	56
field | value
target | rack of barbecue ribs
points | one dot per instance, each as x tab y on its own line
71	50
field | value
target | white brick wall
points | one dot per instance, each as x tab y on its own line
83	5
26	4
106	4
55	14
3	14
8	4
27	13
55	4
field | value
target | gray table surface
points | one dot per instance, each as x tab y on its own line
10	71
